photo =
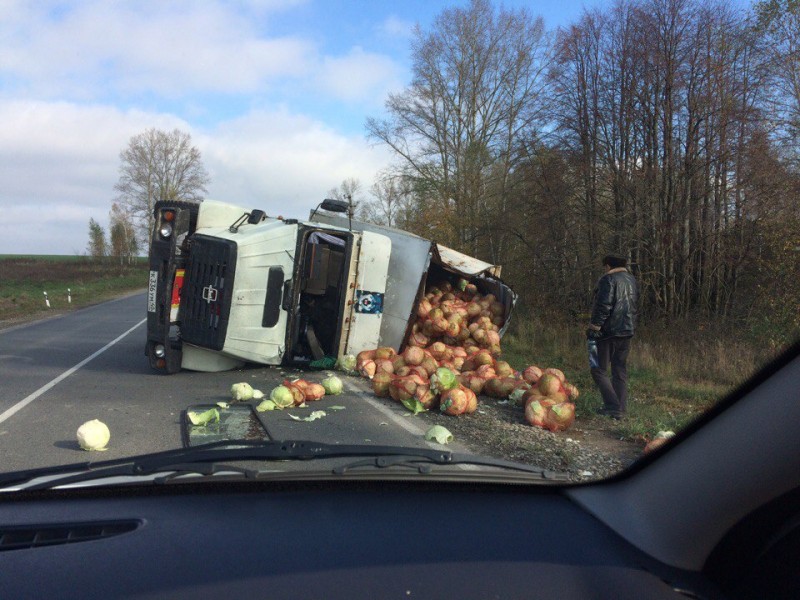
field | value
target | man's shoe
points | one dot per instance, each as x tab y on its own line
612	414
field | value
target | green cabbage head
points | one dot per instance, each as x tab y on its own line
282	397
333	385
93	435
346	363
241	392
443	379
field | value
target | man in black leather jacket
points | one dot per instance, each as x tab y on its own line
612	325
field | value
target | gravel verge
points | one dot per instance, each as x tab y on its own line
587	451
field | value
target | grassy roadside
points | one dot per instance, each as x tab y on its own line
673	375
24	279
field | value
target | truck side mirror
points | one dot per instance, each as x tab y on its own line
338	206
256	216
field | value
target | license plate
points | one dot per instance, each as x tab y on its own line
152	290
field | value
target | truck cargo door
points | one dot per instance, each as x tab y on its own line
369	289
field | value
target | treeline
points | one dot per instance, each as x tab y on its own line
664	130
121	244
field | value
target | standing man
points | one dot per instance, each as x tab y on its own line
612	323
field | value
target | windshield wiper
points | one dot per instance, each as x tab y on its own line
208	459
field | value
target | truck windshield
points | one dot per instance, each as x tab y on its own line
565	236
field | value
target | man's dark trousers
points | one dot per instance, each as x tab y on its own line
613	351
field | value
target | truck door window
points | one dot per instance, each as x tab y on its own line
272	303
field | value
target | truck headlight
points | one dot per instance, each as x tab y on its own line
159	350
166	230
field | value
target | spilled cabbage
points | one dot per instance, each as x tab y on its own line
333	385
93	435
265	405
346	363
282	397
241	392
203	418
439	434
443	379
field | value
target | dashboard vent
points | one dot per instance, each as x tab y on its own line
20	537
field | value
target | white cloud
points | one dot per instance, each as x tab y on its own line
59	163
95	51
168	48
359	76
284	162
394	26
58	167
182	63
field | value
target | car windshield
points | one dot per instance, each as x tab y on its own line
550	234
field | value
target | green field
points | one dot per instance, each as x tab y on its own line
71	282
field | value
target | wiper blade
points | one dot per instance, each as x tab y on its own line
281	450
207	459
183	460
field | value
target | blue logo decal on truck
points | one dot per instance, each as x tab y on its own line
369	303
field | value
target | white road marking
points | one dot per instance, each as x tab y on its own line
403	422
408	424
24	402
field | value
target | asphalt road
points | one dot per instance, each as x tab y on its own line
89	364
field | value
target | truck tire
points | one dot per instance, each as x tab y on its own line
193	207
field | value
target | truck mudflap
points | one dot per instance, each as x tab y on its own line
173	222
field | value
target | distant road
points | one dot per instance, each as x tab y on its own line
87	364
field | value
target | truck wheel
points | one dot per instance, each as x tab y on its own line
193	207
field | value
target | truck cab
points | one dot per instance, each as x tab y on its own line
238	288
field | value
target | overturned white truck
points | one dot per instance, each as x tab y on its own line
229	285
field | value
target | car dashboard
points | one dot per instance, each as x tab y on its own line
325	539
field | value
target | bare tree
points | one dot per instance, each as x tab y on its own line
667	130
159	165
778	21
476	88
122	235
349	191
656	108
392	202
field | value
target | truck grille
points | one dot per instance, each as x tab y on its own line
207	291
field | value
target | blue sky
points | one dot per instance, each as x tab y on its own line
274	93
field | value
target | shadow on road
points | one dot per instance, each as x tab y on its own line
68	445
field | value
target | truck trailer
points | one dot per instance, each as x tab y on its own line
229	285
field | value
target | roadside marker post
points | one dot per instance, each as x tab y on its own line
46	300
69	296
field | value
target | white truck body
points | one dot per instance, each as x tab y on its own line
229	286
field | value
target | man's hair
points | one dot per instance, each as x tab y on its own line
614	261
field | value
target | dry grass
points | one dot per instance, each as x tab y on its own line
700	355
674	373
692	354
